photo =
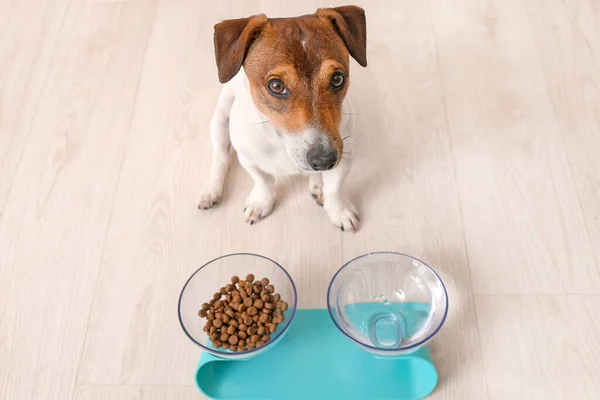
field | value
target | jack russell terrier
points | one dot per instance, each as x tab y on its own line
286	81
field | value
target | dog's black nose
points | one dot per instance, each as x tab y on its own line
321	158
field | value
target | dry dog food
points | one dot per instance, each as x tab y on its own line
243	314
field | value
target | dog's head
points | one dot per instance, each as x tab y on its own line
298	69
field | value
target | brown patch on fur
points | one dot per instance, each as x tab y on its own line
304	52
350	23
232	39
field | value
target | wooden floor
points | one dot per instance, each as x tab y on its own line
480	131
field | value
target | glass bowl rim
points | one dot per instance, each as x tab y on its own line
218	353
397	349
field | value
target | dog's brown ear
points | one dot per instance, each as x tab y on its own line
351	24
233	38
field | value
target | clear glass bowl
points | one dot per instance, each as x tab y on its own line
209	278
388	303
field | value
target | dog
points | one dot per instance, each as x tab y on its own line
283	106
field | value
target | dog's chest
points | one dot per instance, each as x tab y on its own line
255	140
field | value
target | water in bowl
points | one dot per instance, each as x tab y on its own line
388	324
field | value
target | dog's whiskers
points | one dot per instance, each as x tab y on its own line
261	122
353	137
346	155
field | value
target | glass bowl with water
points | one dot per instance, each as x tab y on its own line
388	303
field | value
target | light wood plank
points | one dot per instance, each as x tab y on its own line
58	209
540	347
28	31
568	40
525	232
157	237
404	178
136	393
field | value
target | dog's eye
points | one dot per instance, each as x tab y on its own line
277	88
337	81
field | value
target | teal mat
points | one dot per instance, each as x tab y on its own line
316	361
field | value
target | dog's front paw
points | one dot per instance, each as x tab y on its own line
259	205
211	195
343	214
316	191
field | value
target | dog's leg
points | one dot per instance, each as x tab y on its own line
340	210
315	187
221	144
262	197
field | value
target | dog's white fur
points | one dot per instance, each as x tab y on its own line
265	153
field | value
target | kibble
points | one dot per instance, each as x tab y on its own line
243	314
